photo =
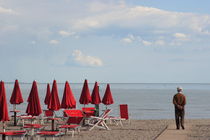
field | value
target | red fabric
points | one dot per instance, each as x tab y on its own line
4	116
11	133
54	102
107	99
48	132
32	126
75	116
85	97
124	111
16	97
68	100
34	106
74	120
96	99
47	97
69	126
89	111
48	113
73	113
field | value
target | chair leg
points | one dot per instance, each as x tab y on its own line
72	134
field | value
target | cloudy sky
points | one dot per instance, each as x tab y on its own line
137	41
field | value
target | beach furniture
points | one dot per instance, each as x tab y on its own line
96	99
13	134
47	114
50	115
107	98
68	100
24	118
16	98
32	128
47	96
123	115
85	97
49	134
89	111
74	122
99	122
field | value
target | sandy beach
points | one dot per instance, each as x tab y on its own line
140	130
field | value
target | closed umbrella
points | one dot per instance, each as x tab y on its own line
68	100
34	106
47	97
96	99
107	99
54	102
85	97
4	116
16	98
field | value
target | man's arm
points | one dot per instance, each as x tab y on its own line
174	100
184	102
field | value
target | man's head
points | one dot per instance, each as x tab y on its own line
179	89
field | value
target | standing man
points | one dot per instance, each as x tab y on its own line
179	101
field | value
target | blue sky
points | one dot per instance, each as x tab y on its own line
137	41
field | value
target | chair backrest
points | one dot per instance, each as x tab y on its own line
105	113
75	116
73	113
89	111
124	111
48	113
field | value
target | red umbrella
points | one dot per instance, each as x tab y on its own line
95	95
16	98
4	116
85	97
107	99
54	102
68	100
47	97
34	106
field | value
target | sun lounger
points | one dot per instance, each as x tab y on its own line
123	115
50	134
89	111
99	122
74	122
13	134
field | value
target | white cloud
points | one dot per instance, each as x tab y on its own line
86	60
127	40
139	17
54	42
180	36
6	11
146	43
66	33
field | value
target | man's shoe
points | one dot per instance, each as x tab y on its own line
177	128
183	127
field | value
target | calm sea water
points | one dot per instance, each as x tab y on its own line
145	101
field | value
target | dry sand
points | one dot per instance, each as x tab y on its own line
140	130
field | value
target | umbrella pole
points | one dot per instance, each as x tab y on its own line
14	107
97	110
15	114
3	126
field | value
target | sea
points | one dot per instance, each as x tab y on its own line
146	101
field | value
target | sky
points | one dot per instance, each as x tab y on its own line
109	41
